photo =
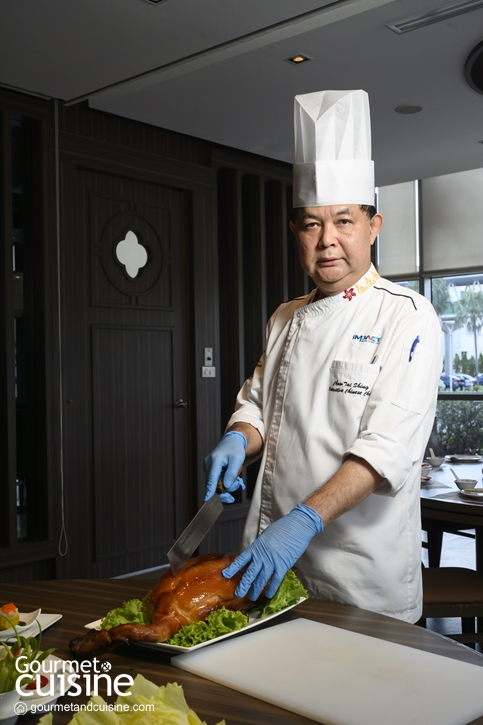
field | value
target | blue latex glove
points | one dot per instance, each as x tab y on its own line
275	551
227	458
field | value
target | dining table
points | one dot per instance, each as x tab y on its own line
444	508
83	601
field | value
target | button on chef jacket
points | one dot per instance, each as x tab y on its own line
356	373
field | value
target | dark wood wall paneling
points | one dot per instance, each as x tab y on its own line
85	123
257	271
239	264
25	421
161	499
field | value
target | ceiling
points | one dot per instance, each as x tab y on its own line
216	69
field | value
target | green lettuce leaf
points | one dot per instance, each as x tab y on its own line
289	592
222	621
136	611
146	705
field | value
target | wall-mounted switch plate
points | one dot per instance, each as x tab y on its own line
208	357
208	371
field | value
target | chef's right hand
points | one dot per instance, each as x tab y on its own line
226	460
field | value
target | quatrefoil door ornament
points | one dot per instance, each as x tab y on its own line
131	254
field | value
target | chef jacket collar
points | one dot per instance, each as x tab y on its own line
350	295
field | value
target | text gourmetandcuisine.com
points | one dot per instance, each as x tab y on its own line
21	707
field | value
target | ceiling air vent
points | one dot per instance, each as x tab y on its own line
444	12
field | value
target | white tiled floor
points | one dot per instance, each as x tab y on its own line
457	551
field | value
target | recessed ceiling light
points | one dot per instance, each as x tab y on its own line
408	108
444	12
297	59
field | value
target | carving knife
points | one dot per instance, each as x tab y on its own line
185	546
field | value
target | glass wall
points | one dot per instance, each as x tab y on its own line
452	221
398	247
431	242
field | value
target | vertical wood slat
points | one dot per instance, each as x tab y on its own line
8	533
298	282
35	459
231	292
254	286
205	333
276	244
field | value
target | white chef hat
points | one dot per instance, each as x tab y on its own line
332	162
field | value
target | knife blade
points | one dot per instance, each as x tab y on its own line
186	544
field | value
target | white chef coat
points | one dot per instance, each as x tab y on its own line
356	373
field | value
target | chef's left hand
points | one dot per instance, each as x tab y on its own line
275	551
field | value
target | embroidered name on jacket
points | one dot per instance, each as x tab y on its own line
349	388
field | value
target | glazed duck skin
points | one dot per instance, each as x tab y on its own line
198	589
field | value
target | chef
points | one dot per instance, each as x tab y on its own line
341	404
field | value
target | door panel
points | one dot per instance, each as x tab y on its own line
134	446
126	447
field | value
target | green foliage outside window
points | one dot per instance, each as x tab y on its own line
466	365
469	314
460	426
440	296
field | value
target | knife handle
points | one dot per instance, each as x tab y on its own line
220	487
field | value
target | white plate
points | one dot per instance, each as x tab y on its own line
45	620
463	458
163	646
28	617
472	492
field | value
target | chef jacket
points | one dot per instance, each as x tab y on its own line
355	373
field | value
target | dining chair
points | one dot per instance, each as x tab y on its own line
435	531
454	591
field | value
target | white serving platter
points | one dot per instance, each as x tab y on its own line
44	619
254	620
29	619
464	458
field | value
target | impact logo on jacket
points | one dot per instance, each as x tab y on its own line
373	339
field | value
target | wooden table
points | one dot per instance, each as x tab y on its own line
444	509
82	601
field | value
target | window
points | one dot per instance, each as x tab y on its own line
431	241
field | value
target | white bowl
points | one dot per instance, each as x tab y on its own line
463	483
9	720
8	700
436	462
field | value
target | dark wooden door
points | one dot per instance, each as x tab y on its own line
125	380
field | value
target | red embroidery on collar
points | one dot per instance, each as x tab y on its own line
349	294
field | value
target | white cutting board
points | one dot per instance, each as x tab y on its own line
338	677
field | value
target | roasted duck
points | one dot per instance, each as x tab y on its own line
198	589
